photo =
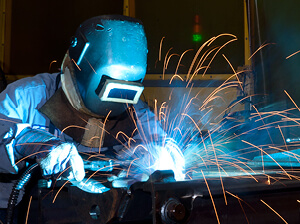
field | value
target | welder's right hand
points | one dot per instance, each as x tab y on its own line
53	155
123	181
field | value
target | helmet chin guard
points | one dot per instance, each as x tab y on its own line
107	62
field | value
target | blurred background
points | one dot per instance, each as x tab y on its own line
35	35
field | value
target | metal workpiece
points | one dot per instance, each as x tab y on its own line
172	211
161	200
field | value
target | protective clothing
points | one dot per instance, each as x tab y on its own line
19	108
19	104
101	75
105	65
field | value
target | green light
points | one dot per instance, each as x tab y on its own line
197	37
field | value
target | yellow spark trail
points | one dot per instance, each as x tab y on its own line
27	214
292	54
274	211
211	197
54	199
291	99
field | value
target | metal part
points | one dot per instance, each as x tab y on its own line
172	211
281	159
89	184
98	165
161	200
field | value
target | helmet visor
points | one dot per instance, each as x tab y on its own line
120	91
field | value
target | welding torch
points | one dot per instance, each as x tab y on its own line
115	175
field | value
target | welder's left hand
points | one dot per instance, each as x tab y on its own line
64	159
52	154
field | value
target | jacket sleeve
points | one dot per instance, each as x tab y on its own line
9	128
19	104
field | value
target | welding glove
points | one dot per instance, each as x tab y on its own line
122	180
52	154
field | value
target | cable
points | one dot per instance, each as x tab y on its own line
21	183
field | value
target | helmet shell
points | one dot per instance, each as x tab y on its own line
107	47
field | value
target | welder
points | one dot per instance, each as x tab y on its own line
50	117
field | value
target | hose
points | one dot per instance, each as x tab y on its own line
21	183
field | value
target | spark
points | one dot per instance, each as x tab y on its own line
15	122
211	197
207	43
274	211
283	137
139	146
216	158
243	211
292	54
169	58
32	154
174	76
220	48
54	199
73	126
193	122
165	63
160	47
233	105
218	89
129	139
76	64
286	152
130	166
262	151
196	56
204	140
239	200
292	100
102	132
263	122
27	214
269	181
237	77
181	56
54	61
90	65
258	49
94	173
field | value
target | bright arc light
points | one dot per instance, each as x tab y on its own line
171	158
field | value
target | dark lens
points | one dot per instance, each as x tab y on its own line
122	94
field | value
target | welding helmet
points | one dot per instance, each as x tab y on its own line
105	65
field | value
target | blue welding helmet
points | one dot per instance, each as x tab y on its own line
109	59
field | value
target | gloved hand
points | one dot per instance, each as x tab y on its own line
53	155
123	181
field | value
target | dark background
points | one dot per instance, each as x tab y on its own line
41	32
280	26
174	20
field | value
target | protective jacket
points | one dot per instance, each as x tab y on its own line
20	105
